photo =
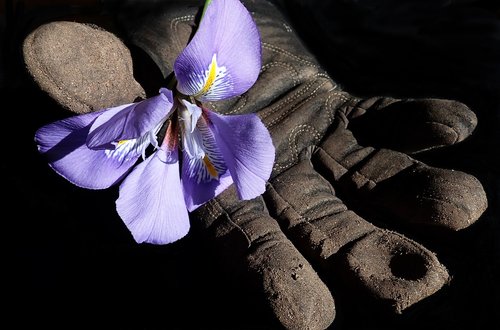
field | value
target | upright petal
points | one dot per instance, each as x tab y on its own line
205	177
224	57
130	121
151	202
248	151
63	143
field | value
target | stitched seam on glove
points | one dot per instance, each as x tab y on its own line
290	99
287	66
292	142
281	51
174	24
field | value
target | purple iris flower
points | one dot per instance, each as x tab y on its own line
100	149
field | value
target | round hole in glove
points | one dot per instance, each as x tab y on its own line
408	266
394	269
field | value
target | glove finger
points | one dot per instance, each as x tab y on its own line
82	67
396	186
249	240
391	268
411	125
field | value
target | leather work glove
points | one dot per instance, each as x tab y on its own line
307	228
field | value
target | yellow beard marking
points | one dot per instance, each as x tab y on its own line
119	143
212	71
211	169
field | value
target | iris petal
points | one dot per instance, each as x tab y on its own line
151	202
203	178
63	143
224	57
198	193
130	121
247	148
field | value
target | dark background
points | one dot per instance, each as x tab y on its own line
72	264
